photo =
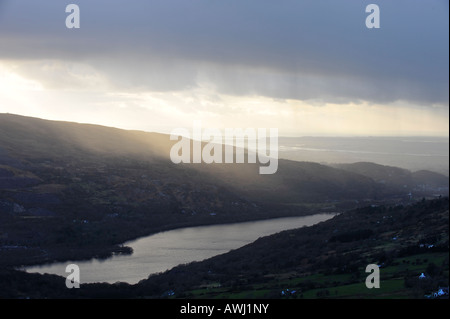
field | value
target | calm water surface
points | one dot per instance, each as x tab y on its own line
165	250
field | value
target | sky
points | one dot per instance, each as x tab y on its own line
304	67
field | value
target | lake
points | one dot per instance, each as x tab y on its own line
165	250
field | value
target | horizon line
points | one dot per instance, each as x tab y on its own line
306	135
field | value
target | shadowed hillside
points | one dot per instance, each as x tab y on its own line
327	260
73	191
397	178
26	137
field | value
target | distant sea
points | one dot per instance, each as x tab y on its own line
412	153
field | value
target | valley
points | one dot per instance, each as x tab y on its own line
73	191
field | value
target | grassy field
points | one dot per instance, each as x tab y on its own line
392	283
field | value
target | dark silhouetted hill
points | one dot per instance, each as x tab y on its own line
73	191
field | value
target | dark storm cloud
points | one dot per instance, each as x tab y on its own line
306	50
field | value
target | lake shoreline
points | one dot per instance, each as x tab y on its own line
105	252
100	262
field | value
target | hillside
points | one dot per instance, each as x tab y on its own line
50	144
327	260
74	191
395	178
33	138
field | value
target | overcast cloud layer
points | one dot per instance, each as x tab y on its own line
305	50
306	67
